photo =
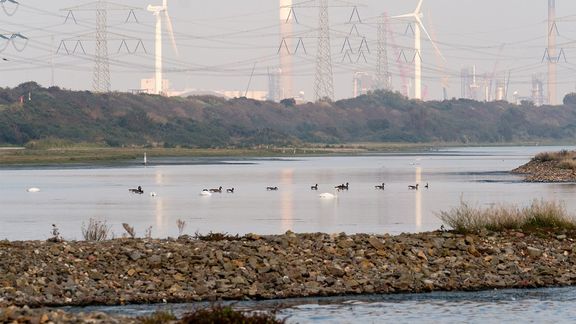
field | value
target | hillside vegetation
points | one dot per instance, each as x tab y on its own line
121	119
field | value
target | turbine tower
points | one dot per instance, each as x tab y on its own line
286	27
417	16
161	13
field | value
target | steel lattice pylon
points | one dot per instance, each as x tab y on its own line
382	72
101	81
324	82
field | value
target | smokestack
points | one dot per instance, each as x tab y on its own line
552	58
286	24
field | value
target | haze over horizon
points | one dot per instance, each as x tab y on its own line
221	41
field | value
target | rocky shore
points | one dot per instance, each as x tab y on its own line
545	171
123	271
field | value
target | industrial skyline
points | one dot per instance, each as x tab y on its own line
234	46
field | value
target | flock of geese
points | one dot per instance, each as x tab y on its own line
324	195
209	192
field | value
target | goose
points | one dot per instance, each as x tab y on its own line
230	190
33	189
152	194
205	192
426	186
217	190
314	187
380	187
272	188
137	191
411	187
342	186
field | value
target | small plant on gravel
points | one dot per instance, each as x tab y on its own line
539	215
148	233
225	314
181	225
96	230
158	318
129	229
214	237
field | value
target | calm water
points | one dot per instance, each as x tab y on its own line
555	305
71	196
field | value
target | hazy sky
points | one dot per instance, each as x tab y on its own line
220	41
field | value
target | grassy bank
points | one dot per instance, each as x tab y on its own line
94	154
539	216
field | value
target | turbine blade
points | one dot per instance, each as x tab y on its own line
171	31
421	24
410	15
418	8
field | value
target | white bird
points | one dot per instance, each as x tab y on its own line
205	193
328	196
33	189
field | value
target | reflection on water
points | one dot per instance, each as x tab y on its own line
286	178
418	202
70	197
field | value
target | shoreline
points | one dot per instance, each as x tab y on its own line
148	271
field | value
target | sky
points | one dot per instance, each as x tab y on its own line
221	43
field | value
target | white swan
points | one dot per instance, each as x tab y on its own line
205	193
33	189
329	196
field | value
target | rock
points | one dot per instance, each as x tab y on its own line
534	252
376	243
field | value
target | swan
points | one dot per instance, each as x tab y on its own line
329	196
33	189
206	193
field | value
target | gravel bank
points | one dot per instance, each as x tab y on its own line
548	171
125	271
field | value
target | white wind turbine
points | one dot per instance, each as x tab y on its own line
418	28
161	12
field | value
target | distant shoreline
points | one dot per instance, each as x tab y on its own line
87	155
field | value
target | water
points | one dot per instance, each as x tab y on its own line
71	196
551	305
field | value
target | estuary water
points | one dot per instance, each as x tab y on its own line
551	305
70	196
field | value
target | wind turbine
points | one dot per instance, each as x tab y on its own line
417	16
161	13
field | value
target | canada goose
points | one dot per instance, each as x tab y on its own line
426	186
314	187
411	187
272	188
217	190
342	186
137	191
230	190
380	187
